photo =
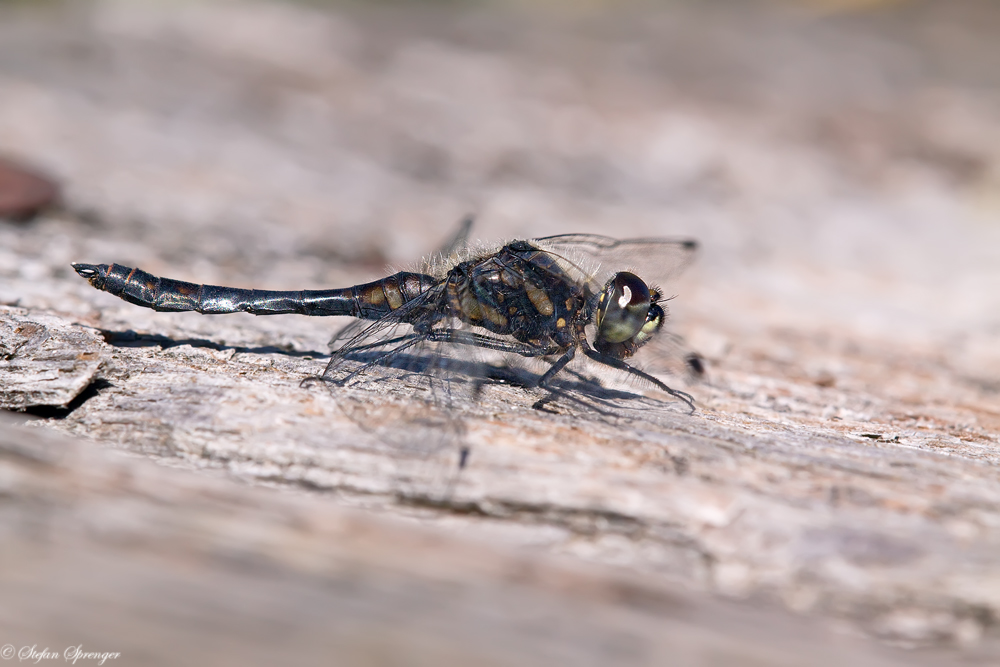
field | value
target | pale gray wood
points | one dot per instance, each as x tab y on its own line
45	361
116	555
842	463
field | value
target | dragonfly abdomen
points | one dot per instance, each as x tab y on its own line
368	301
378	298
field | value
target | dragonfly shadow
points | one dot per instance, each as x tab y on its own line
570	386
131	338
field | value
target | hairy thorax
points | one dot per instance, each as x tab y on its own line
522	292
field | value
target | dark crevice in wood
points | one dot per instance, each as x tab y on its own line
64	411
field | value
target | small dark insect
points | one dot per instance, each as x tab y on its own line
548	298
695	364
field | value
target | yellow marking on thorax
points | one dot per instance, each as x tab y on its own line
493	315
470	306
539	299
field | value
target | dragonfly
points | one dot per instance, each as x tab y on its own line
550	298
516	313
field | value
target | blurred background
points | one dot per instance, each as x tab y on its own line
838	160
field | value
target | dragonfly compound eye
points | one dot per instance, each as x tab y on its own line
623	308
654	320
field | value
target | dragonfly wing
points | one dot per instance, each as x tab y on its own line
363	338
396	385
656	260
460	239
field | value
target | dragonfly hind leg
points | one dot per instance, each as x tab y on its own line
489	343
543	382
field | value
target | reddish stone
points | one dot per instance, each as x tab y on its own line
23	191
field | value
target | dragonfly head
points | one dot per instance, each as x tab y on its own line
628	315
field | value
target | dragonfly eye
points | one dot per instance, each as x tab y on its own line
623	309
654	320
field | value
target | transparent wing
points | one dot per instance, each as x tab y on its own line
382	335
459	239
400	388
413	390
656	260
668	354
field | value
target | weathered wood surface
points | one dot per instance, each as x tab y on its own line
843	460
119	555
45	360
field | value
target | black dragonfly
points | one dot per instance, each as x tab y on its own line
548	298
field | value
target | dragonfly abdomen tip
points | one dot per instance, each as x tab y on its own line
86	270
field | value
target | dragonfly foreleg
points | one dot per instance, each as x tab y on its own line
621	365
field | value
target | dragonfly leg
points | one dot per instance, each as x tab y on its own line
381	343
556	367
621	365
543	382
459	239
479	340
522	349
